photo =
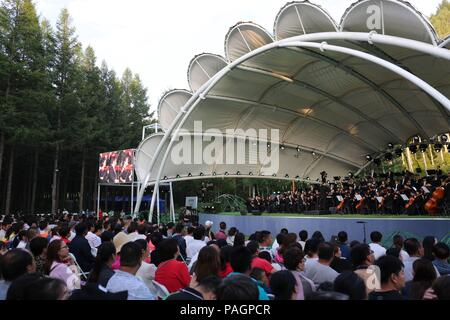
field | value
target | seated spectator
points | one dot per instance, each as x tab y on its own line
81	248
155	238
239	240
395	252
375	246
221	234
15	263
392	279
173	274
415	251
102	270
178	235
64	233
225	265
241	259
320	271
428	244
311	250
238	287
195	245
424	275
203	290
318	235
303	236
207	264
231	234
125	279
283	285
261	278
351	284
441	288
294	261
60	265
288	240
339	264
397	242
34	286
257	262
342	244
147	271
38	247
441	253
265	240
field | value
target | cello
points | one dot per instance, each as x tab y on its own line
432	204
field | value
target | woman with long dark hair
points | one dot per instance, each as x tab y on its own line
424	276
428	244
207	264
102	270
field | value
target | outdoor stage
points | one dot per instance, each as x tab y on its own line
419	227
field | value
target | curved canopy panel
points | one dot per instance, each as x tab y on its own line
202	68
145	154
243	38
170	105
396	18
302	17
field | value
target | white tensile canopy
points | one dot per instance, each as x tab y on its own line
335	93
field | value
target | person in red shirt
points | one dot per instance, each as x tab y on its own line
172	274
258	262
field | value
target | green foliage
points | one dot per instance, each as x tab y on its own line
441	19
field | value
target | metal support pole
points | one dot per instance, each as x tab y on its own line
132	199
98	199
172	205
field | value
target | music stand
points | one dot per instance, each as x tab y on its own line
364	228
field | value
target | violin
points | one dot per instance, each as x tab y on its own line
360	203
340	205
411	202
432	204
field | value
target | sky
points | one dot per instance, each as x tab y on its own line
158	39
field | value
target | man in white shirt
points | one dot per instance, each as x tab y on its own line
94	240
195	245
320	271
125	279
375	246
188	237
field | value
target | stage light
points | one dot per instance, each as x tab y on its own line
178	176
286	176
398	152
165	178
388	156
438	147
444	138
413	148
238	173
274	175
350	174
226	173
307	178
268	145
423	147
297	177
298	149
313	153
201	174
390	145
369	158
416	139
214	174
250	173
282	147
189	174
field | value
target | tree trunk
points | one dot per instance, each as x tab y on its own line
2	147
83	166
35	179
55	180
9	186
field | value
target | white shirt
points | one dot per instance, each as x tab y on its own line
408	263
94	242
404	255
194	247
188	239
378	251
146	273
124	281
22	244
302	243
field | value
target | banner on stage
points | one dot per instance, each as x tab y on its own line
192	202
116	167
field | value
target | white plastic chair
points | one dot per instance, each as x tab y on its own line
81	273
161	290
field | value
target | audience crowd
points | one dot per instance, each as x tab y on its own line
84	258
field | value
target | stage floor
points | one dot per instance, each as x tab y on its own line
330	225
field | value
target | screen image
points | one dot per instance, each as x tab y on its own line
116	167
